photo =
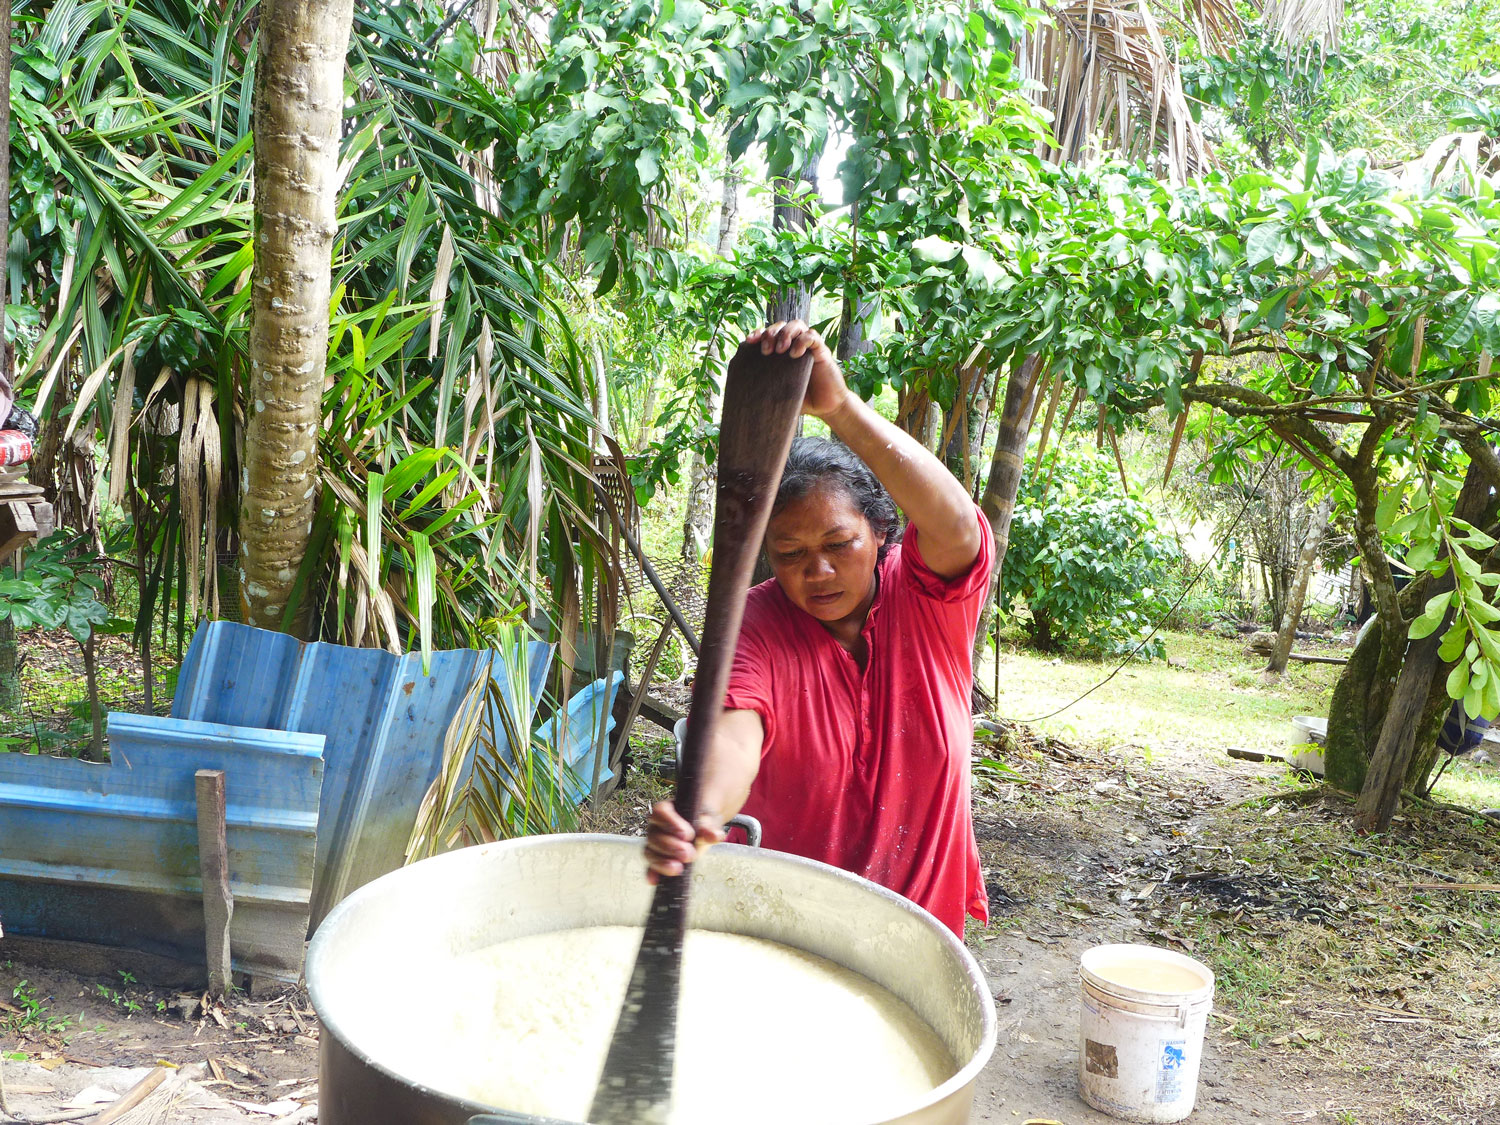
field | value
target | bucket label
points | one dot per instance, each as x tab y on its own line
1101	1058
1169	1071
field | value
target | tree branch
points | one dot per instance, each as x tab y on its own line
1243	402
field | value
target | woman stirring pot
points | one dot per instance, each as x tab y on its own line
846	728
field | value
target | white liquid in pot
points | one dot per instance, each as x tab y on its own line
765	1033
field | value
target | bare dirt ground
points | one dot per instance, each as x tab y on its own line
67	1033
1358	981
1349	991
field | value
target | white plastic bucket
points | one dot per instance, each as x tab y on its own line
1141	1032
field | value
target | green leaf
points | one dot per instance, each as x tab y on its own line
1453	641
935	249
1263	242
647	167
1155	264
1458	681
1389	505
374	503
426	571
1428	623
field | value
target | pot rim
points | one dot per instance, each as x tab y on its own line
318	949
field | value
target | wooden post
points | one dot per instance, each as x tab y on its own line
213	863
642	688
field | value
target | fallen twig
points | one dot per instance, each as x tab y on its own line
1443	875
1429	803
1453	886
133	1096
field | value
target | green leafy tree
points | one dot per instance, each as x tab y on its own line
1088	561
60	588
454	456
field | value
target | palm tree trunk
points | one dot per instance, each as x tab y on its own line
1292	614
999	500
299	102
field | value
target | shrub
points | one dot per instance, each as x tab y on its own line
1087	560
1206	603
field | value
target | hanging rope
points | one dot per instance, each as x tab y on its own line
1156	628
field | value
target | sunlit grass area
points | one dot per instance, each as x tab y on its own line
1207	696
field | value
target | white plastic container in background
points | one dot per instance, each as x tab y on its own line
1141	1035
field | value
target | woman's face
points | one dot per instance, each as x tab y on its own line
823	551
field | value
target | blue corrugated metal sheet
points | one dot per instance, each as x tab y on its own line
578	742
384	722
109	853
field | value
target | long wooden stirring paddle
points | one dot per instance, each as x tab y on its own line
762	399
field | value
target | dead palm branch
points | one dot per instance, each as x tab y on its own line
1105	74
1305	29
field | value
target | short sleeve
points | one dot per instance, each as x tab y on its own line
971	585
751	677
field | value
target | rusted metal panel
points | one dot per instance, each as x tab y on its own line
109	853
384	721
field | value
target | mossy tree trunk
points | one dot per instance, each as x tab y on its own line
1364	722
999	500
299	102
1396	753
10	672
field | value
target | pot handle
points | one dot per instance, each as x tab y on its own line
749	825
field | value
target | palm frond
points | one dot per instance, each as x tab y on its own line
1305	29
1104	73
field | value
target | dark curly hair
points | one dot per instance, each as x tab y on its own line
814	461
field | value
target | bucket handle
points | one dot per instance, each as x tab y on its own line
1178	1015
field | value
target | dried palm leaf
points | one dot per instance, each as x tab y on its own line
1105	74
1305	28
1217	23
1457	162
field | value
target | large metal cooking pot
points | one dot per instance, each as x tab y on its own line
456	903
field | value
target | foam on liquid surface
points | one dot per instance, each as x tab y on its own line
765	1033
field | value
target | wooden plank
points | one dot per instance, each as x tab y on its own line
46	521
213	862
1309	658
16	528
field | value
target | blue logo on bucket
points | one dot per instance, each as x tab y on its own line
1169	1073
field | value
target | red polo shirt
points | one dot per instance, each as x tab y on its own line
869	770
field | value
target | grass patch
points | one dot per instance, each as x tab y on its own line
1469	786
1207	696
1250	978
